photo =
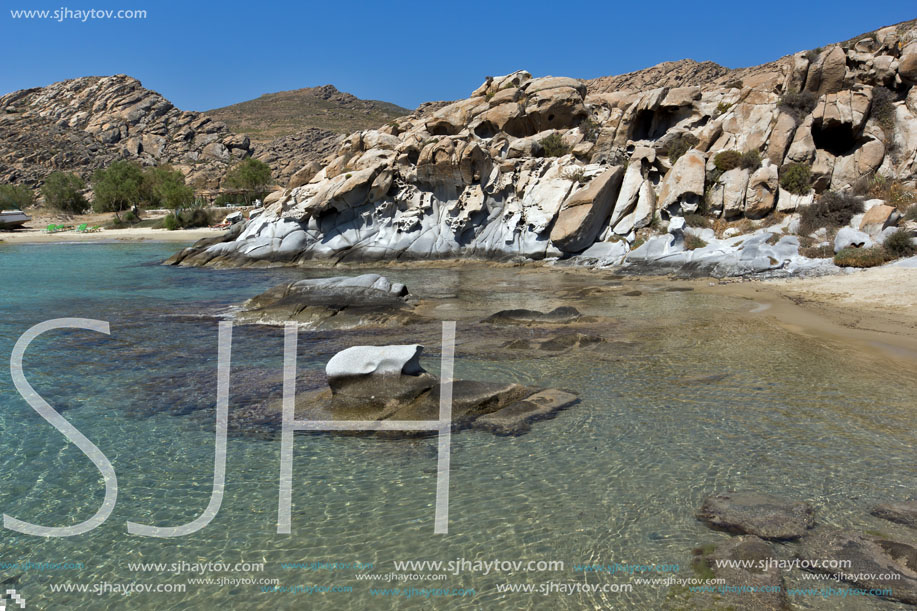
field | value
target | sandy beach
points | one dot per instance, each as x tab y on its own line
35	231
872	309
39	236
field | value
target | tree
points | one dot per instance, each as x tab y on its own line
118	187
252	176
168	188
15	197
62	191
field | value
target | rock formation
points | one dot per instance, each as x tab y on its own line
548	168
86	123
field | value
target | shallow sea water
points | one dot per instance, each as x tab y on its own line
696	397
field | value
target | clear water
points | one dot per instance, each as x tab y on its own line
615	479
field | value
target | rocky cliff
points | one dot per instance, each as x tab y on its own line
86	123
544	167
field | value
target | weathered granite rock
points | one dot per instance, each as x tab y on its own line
377	378
904	512
583	214
753	513
874	563
848	237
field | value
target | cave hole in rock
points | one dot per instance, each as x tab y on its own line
653	124
836	138
485	129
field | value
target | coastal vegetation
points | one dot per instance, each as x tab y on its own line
63	192
252	176
15	197
832	210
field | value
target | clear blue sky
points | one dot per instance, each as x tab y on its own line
204	55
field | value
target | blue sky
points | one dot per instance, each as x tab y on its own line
204	55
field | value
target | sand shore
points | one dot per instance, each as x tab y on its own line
875	310
37	236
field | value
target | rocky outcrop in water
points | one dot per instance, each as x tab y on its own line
340	302
542	168
753	513
388	383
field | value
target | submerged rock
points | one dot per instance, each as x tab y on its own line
903	513
517	418
723	561
559	315
339	302
753	513
874	563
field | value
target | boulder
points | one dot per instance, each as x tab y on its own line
878	218
904	512
761	193
848	237
753	513
874	563
304	174
684	183
907	63
732	186
582	216
377	378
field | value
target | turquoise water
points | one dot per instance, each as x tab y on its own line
617	478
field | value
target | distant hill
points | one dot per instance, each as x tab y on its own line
288	112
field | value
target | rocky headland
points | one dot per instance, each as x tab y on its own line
607	172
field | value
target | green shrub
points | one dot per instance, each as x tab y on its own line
751	159
252	176
727	160
171	222
62	192
861	257
722	107
692	242
15	197
883	109
796	178
554	146
679	145
797	104
831	211
825	251
693	219
590	129
186	219
899	244
119	187
167	188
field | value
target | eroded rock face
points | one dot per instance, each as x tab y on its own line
333	303
757	514
551	167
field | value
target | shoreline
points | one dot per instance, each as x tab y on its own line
874	309
139	234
